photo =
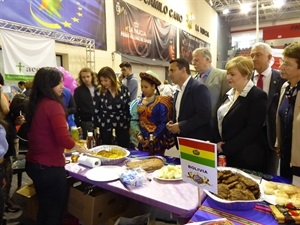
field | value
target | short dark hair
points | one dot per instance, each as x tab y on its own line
21	82
126	64
181	62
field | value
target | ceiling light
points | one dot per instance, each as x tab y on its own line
245	8
278	3
225	11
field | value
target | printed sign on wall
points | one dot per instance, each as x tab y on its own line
141	34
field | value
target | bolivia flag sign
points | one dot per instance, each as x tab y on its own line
199	163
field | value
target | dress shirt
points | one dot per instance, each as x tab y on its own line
179	96
266	79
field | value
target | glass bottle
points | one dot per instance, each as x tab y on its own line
98	137
114	137
151	145
80	133
90	141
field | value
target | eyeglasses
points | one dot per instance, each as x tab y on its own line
285	64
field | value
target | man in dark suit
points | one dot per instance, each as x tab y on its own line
192	104
261	54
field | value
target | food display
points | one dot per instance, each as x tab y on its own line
281	194
234	186
237	190
110	154
148	164
286	215
169	172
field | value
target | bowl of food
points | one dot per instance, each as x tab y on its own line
237	190
110	154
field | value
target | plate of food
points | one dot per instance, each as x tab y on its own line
281	194
110	154
149	163
168	173
237	190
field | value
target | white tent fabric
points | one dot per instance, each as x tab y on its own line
23	54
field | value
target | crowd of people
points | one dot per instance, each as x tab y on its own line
249	110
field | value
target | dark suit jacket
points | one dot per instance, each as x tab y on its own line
195	111
242	131
273	98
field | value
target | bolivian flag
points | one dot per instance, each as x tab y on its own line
197	151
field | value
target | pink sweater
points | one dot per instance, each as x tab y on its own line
48	135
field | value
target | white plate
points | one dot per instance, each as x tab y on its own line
104	173
270	198
156	176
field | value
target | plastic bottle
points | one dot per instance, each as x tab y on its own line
90	141
75	133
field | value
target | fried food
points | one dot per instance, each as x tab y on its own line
111	154
234	186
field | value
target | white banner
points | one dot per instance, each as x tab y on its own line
23	54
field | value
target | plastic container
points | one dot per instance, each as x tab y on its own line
75	133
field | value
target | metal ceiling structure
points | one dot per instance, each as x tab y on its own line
267	12
88	43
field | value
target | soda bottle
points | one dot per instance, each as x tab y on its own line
114	137
90	141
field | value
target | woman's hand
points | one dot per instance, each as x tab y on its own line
79	148
277	151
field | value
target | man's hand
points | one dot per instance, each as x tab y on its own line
173	127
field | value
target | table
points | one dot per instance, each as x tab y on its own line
178	197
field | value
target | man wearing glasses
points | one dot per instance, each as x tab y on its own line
270	81
127	78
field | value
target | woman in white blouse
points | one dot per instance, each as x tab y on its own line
241	117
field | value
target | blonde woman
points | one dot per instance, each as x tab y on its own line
241	117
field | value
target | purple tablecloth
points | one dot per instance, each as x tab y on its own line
260	215
177	197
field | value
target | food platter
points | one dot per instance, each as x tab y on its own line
148	163
104	173
236	204
156	175
113	154
277	193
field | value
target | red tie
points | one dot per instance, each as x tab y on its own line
260	82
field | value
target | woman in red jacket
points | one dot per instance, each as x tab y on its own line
48	136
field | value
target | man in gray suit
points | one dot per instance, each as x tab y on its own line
261	54
213	78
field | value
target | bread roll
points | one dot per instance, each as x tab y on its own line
150	164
